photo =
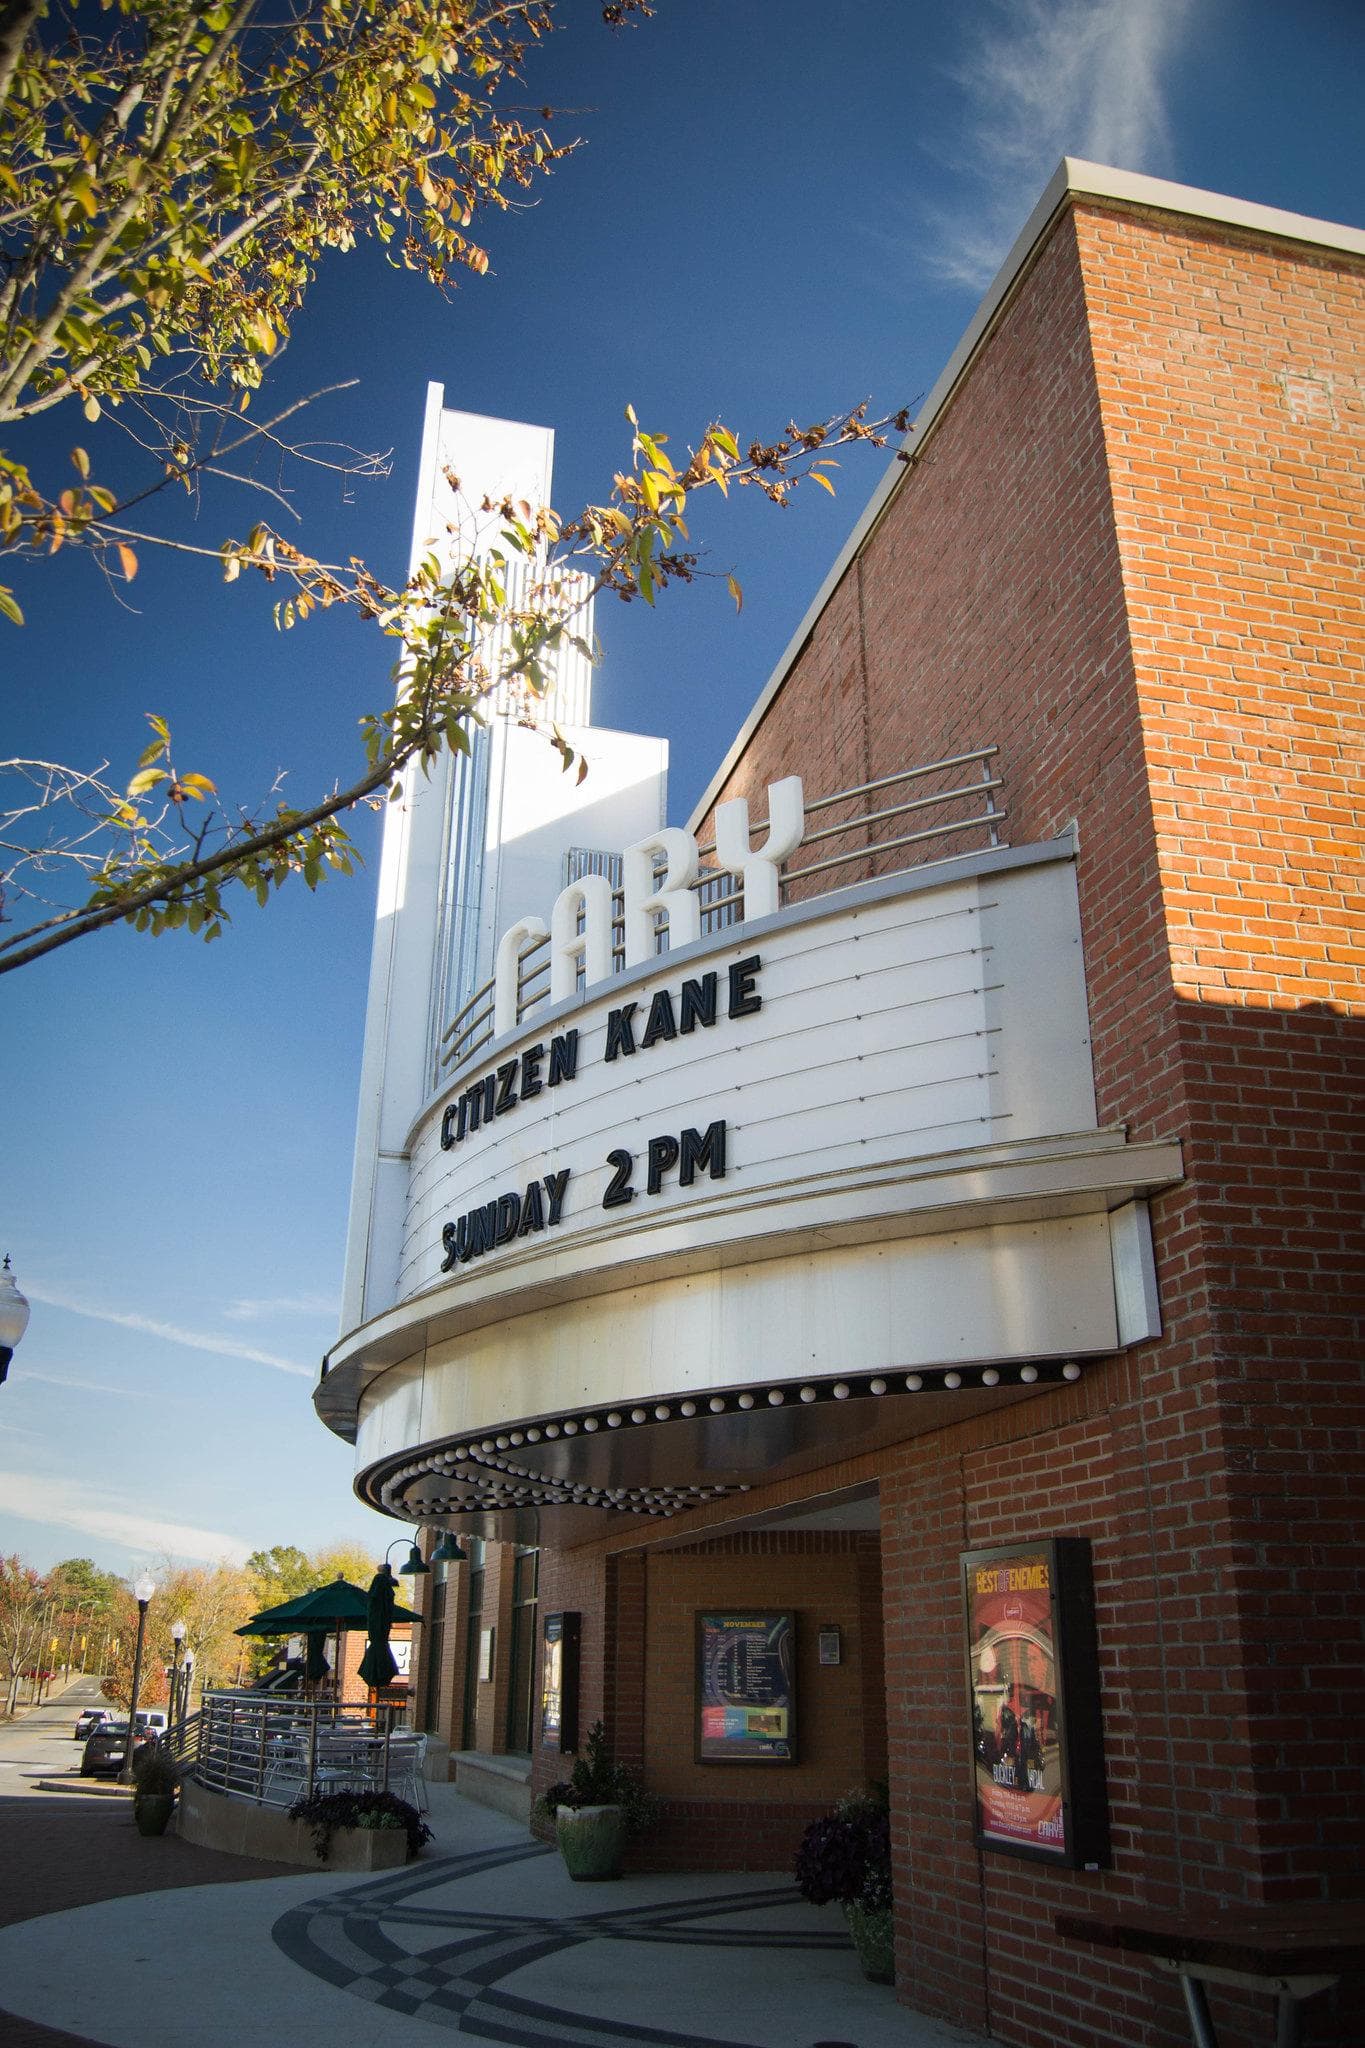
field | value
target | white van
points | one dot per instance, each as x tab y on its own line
152	1719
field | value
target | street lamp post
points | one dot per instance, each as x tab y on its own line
13	1316
142	1593
178	1639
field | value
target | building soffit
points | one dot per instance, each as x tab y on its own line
1074	180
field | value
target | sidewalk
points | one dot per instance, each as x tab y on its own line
158	1944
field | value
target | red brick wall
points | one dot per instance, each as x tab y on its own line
1127	563
1237	513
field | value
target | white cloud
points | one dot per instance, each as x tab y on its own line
56	1379
1047	79
196	1340
106	1516
249	1311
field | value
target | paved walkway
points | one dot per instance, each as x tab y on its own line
158	1944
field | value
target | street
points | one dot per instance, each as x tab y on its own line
40	1745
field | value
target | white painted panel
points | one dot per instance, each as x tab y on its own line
1020	1291
895	1027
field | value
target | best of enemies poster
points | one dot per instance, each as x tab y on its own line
1016	1701
745	1667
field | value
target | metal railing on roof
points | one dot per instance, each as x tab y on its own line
721	894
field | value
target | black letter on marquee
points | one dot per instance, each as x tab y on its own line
448	1138
661	1024
744	999
563	1057
619	1189
509	1216
663	1153
698	1002
532	1210
620	1032
507	1096
555	1184
531	1083
490	1086
472	1102
700	1150
449	1234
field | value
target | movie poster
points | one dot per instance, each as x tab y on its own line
552	1683
1013	1677
745	1671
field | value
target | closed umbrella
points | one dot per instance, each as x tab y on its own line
377	1666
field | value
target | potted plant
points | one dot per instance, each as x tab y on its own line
847	1856
600	1808
156	1778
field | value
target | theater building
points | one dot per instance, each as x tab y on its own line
872	1277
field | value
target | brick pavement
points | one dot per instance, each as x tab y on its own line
67	1849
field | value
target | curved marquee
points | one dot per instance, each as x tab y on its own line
778	1197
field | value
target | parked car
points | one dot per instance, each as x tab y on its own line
152	1719
104	1750
89	1720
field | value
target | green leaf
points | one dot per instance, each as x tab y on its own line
145	779
9	606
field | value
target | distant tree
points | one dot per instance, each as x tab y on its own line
85	1601
169	189
279	1574
344	1561
213	1601
26	1602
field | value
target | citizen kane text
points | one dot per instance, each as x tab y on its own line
690	1153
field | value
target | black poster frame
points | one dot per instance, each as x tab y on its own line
1078	1711
563	1630
757	1617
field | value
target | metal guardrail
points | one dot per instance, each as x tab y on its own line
722	894
270	1751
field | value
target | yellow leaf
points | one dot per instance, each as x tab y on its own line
91	408
81	461
630	415
732	584
129	561
817	477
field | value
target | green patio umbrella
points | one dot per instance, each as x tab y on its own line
377	1666
339	1606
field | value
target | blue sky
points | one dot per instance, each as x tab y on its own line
768	218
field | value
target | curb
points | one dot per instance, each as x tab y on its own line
85	1785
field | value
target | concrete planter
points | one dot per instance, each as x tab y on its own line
152	1810
590	1839
244	1829
874	1938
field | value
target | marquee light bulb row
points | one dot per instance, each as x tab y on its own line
493	1480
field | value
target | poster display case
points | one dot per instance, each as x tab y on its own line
559	1682
745	1687
1033	1693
